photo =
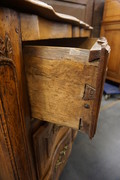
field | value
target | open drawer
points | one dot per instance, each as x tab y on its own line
65	83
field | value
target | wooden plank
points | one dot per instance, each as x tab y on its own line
29	27
37	28
52	30
76	31
63	84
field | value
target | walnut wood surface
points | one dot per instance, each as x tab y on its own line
15	155
41	26
59	81
48	140
34	28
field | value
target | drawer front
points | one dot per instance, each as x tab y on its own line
60	157
46	140
65	84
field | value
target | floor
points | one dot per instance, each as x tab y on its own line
99	158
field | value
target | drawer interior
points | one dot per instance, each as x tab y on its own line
83	43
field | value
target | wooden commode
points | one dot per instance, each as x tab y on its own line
51	81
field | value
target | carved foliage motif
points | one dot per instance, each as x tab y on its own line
6	47
61	157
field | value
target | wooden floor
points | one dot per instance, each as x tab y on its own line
98	159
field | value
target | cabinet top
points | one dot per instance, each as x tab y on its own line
44	10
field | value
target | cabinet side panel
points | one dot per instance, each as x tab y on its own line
14	147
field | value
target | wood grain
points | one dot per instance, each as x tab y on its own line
41	26
44	10
46	139
58	79
15	151
56	29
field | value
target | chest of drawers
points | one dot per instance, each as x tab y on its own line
37	147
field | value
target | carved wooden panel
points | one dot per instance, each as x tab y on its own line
15	162
46	140
61	154
10	113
